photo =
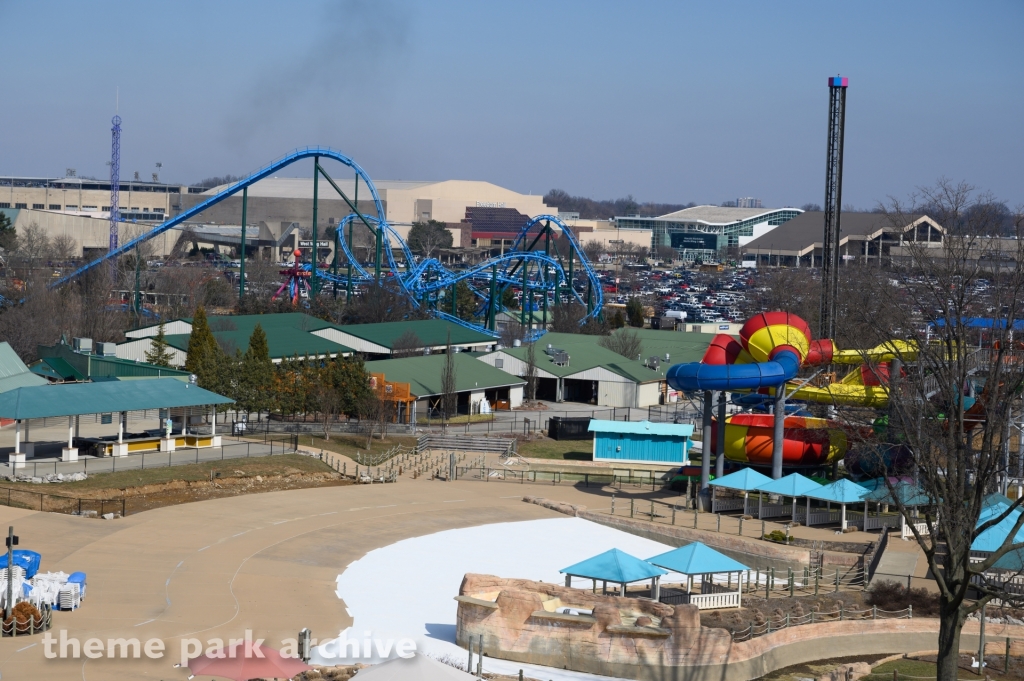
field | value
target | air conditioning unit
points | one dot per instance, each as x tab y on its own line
82	345
106	349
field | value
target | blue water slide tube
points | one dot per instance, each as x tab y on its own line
699	376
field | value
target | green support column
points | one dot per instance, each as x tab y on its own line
136	303
348	295
491	303
241	272
455	300
590	294
547	252
572	289
523	299
376	258
314	285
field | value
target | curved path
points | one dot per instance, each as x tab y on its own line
212	569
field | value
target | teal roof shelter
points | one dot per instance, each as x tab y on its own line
746	480
793	485
105	397
617	567
841	492
72	399
698	559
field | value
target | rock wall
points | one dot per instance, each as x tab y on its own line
626	637
669	645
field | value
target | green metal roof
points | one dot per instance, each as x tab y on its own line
585	353
58	368
71	399
282	342
423	373
13	372
432	332
63	363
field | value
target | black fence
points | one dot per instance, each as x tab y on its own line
570	428
59	503
269	445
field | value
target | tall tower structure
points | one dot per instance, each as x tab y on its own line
833	205
115	179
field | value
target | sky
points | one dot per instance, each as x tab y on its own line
668	101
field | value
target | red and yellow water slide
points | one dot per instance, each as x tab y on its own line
771	349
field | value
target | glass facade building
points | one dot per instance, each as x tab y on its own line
701	233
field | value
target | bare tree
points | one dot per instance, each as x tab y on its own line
64	247
531	373
328	404
406	345
958	452
625	342
510	333
594	250
449	379
377	413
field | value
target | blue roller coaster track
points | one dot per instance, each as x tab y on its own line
545	259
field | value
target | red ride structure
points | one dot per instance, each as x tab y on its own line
296	279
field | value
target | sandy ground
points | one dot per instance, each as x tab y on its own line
212	569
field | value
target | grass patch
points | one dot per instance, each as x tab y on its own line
281	464
569	450
456	420
349	444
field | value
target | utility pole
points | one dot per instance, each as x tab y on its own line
833	205
12	541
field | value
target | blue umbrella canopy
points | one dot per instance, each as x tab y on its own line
614	566
696	559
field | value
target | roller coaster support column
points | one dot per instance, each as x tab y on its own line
314	285
590	297
572	289
348	293
547	252
455	300
241	271
523	299
491	303
137	302
720	439
706	448
778	432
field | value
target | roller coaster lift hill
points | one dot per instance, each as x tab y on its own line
533	264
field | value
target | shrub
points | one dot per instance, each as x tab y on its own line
777	536
889	595
26	616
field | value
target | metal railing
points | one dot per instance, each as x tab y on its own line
32	626
90	465
776	623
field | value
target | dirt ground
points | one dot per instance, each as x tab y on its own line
154	488
777	608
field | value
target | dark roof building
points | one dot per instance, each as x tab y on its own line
862	236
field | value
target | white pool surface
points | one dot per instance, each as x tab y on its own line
407	590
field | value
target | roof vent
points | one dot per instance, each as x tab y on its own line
517	343
82	345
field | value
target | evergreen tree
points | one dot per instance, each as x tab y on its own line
256	379
8	233
159	353
205	358
635	312
350	379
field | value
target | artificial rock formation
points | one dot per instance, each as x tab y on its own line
628	637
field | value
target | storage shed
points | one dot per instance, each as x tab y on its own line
641	442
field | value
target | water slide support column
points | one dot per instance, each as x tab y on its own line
778	430
720	440
705	445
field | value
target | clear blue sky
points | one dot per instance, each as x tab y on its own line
669	101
